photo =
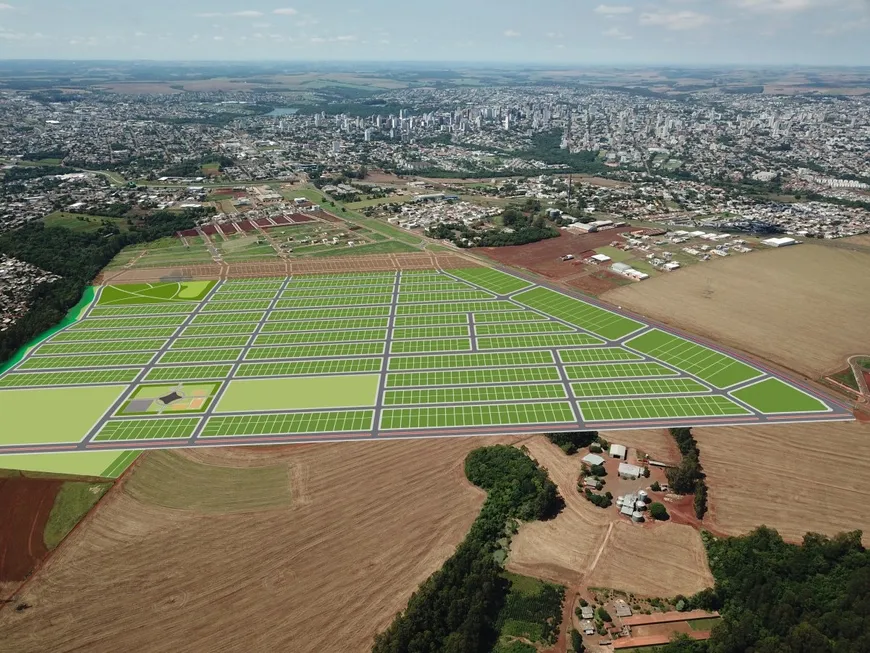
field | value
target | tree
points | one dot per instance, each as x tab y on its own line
684	478
603	615
700	500
572	441
655	487
658	511
577	641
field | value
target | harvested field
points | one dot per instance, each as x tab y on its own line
25	504
806	308
674	560
367	524
543	257
794	478
588	545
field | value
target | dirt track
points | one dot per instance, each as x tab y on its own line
368	523
805	307
25	504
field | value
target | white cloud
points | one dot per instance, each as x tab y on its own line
616	33
345	37
511	34
218	38
613	10
285	11
773	6
676	20
3	6
248	13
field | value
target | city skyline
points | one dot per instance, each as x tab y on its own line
591	32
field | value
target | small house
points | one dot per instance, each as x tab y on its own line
618	451
588	628
593	459
586	612
630	472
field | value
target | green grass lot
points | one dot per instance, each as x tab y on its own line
530	612
73	501
616	254
293	368
493	415
616	371
188	373
155	293
637	387
773	396
656	408
385	247
602	355
205	390
390	199
508	316
537	341
106	464
304	392
521	328
594	319
472	377
53	414
81	222
494	280
711	366
36	379
458	361
148	429
472	394
704	624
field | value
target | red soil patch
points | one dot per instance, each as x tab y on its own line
25	504
281	220
263	222
210	230
596	283
544	256
324	215
227	229
246	225
189	233
298	218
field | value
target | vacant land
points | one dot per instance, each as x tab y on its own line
367	523
661	559
805	307
25	505
794	478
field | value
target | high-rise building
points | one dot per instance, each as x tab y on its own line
368	135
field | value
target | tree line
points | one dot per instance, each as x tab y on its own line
457	609
688	477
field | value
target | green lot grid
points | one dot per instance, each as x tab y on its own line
773	396
353	276
430	332
189	372
289	424
147	429
494	280
637	387
509	316
143	309
447	286
315	351
450	361
420	346
113	334
473	377
599	355
659	408
294	326
594	319
521	328
52	349
708	365
242	329
329	313
227	318
498	414
253	286
217	307
83	377
201	356
93	324
296	293
351	282
617	370
429	320
298	368
203	342
241	296
96	360
320	336
535	341
416	276
464	296
453	307
473	394
345	300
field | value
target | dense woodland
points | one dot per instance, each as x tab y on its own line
77	257
457	610
518	228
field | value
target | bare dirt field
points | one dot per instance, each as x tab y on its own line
367	523
25	504
594	547
806	307
543	257
794	478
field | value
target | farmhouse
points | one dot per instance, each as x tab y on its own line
618	451
629	471
593	459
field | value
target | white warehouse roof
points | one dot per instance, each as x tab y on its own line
593	459
618	450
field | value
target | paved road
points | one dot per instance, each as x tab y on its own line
838	411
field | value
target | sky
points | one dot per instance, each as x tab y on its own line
567	32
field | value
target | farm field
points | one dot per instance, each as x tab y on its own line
777	304
784	477
348	356
313	582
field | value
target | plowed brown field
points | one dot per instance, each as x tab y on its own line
366	524
792	477
805	307
586	545
25	504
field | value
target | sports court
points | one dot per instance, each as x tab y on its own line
420	353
